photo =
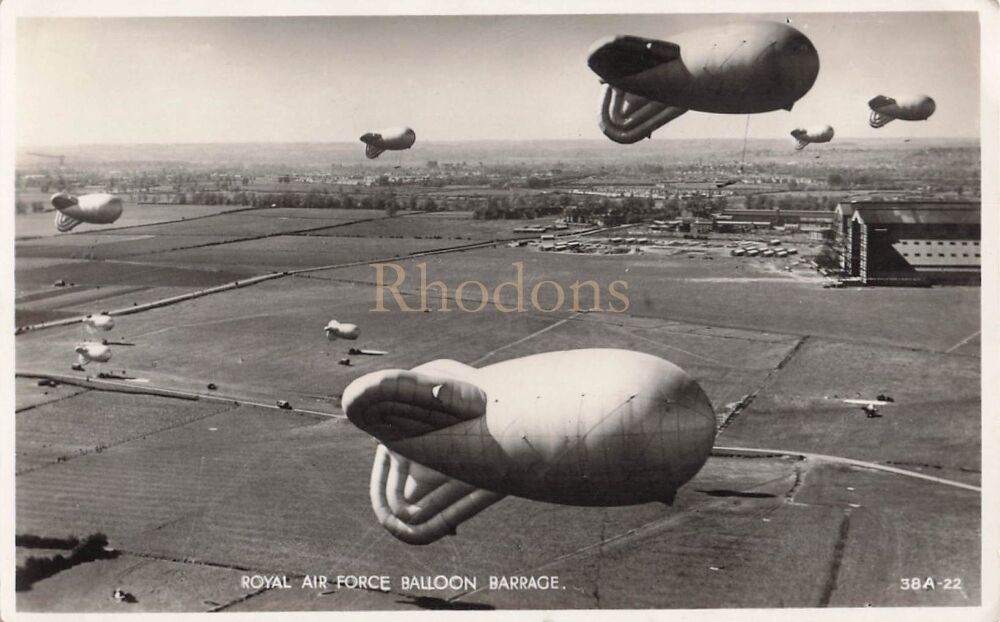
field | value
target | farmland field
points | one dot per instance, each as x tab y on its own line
41	224
203	486
736	292
444	226
289	252
224	481
257	222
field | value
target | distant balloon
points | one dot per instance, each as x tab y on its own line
912	108
736	69
91	351
597	427
392	139
97	209
814	134
101	321
335	330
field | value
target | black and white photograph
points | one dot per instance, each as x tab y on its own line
558	311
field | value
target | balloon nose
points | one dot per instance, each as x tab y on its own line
62	200
613	58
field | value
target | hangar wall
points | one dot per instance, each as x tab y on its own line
910	242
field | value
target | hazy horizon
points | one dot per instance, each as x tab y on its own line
324	154
840	140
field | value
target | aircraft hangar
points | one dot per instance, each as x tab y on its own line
909	242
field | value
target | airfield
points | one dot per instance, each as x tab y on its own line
806	502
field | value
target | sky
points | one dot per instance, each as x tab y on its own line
451	78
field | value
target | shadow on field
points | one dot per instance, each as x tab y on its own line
738	493
35	569
430	602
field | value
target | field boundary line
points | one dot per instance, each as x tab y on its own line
100	448
272	275
963	342
522	339
688	319
264	236
163	302
748	399
55	401
98	384
103	385
875	466
147	224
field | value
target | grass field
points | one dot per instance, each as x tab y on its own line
257	222
443	225
173	587
28	394
110	246
278	493
196	493
938	539
97	423
251	349
932	426
95	286
114	268
289	252
730	292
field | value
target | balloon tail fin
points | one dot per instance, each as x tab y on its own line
877	119
65	223
419	505
627	118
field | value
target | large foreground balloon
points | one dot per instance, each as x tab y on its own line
597	427
816	134
912	108
392	139
736	69
97	209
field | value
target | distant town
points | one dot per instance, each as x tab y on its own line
705	185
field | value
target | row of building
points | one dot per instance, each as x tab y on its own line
876	241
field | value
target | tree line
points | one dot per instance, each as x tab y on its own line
316	200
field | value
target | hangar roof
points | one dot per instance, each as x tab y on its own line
844	209
918	213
